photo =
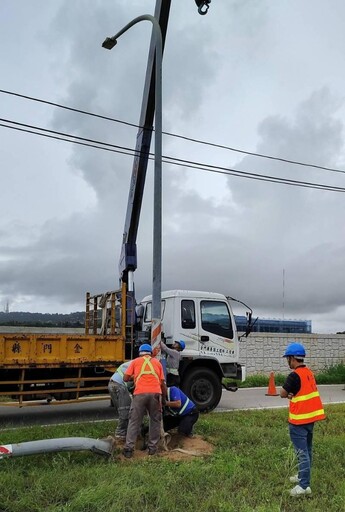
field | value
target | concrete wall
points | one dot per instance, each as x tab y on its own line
262	352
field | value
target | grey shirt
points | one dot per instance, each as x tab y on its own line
173	358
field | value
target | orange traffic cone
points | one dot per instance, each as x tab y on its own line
271	386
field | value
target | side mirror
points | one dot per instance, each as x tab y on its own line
249	324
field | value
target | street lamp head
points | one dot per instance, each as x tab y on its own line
203	6
109	43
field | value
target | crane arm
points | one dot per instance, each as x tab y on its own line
128	256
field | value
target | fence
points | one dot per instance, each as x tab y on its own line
262	352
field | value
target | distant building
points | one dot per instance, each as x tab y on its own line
275	325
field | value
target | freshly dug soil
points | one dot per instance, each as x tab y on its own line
179	447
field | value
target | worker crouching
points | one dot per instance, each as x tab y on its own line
179	412
121	398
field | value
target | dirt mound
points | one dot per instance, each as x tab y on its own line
178	446
181	447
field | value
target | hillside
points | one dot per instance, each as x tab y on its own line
22	318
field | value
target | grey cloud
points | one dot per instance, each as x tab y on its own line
238	245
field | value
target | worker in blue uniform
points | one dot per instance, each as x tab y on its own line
179	412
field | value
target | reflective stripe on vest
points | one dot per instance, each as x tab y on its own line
173	371
305	397
307	416
120	370
183	408
151	371
306	406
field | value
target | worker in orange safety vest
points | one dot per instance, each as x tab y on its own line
305	408
149	386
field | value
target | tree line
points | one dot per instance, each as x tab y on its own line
23	318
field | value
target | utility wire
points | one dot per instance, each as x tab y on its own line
197	141
166	159
31	98
62	134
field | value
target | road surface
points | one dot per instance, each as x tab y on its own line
253	398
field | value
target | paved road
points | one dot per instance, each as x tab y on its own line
253	398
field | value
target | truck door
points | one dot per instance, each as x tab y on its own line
188	329
209	337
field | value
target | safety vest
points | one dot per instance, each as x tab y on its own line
143	371
120	369
119	374
183	407
118	377
306	405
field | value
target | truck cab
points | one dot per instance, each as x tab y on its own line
205	322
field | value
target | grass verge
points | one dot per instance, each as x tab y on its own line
248	471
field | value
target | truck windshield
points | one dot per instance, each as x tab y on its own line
215	318
148	311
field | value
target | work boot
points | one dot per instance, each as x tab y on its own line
299	491
294	479
127	453
152	451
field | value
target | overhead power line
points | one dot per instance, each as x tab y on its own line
190	139
51	103
30	129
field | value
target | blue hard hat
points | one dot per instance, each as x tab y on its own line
182	344
295	350
145	348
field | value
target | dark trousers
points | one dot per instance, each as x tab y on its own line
173	380
142	403
183	423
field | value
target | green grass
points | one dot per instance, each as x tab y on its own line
5	398
332	375
248	471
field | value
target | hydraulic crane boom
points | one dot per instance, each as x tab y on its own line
128	256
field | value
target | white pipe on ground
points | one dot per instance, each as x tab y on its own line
65	444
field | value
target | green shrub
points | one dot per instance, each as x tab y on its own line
332	375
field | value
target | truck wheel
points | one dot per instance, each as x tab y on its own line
203	387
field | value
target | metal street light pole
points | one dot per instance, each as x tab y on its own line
109	43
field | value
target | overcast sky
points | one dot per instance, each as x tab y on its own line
260	76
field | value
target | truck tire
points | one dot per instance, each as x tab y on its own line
203	387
